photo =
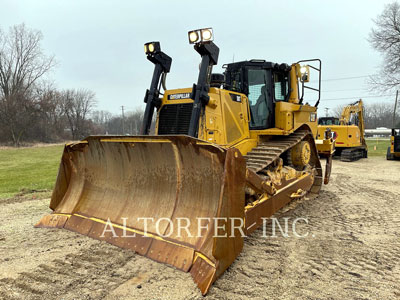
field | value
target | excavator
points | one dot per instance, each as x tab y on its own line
227	153
347	131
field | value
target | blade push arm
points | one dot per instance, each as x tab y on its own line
162	64
209	57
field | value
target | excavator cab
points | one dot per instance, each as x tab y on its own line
327	121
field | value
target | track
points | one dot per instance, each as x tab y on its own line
353	154
265	153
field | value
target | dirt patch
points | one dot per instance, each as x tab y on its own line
352	251
27	195
33	145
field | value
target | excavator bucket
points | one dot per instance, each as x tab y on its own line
174	199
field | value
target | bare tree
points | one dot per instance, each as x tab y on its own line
51	122
22	65
77	105
101	119
385	38
134	121
337	111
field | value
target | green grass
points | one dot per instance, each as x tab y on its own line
23	170
379	144
28	169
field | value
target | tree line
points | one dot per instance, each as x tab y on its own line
32	109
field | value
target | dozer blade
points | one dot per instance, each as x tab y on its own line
107	187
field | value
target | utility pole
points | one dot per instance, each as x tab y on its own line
123	120
395	108
327	111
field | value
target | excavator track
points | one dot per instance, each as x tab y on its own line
353	154
260	157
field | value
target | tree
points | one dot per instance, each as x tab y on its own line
385	38
135	120
22	65
77	105
51	122
101	121
337	111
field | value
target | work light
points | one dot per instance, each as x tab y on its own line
305	73
200	35
206	34
193	37
152	48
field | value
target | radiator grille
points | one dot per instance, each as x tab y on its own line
175	118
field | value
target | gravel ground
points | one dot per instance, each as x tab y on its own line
352	251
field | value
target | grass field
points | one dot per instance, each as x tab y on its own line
380	145
28	169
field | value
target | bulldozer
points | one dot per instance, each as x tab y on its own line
347	131
226	153
393	151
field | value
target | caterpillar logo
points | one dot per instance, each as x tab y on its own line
179	96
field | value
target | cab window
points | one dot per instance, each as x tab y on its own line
260	108
281	87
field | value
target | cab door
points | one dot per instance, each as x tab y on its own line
260	98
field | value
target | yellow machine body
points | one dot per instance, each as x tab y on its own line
348	132
346	136
106	185
226	122
394	148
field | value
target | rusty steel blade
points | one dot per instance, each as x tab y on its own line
112	182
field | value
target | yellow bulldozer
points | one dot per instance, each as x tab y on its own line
393	151
347	131
227	153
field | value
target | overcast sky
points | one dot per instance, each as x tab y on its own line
99	44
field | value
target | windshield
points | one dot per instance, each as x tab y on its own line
330	121
258	99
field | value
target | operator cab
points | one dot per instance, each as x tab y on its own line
264	83
328	121
396	131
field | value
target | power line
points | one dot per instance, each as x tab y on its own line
344	90
345	78
359	97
